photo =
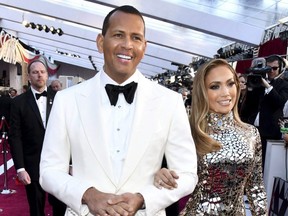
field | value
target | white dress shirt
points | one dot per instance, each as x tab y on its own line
42	105
119	121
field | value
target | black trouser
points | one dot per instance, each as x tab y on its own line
58	207
172	210
36	198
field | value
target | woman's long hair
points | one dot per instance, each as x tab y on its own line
200	107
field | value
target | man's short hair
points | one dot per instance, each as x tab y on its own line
278	58
126	9
40	59
273	58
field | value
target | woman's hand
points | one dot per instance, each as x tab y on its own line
166	178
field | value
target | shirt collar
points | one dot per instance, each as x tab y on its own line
34	91
105	79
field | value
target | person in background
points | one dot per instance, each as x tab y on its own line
25	88
229	151
184	93
29	115
263	106
5	103
56	85
121	127
243	90
12	92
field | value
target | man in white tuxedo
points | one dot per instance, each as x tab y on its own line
116	142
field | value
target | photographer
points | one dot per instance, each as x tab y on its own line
264	102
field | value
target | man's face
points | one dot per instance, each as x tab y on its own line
13	93
274	69
56	86
38	76
123	45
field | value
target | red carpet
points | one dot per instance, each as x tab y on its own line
16	203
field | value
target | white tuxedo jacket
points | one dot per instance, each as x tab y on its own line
76	129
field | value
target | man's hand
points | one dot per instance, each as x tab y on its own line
265	83
24	177
134	201
98	205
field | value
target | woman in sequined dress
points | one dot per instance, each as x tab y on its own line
229	151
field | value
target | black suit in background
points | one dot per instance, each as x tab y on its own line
5	102
26	139
270	108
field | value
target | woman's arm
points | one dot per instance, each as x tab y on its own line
254	187
166	178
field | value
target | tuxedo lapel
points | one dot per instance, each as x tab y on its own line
141	129
32	103
50	98
93	123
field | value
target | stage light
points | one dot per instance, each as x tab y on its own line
39	27
60	32
46	29
67	54
32	25
53	30
93	64
25	23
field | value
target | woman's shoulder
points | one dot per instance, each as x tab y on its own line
248	128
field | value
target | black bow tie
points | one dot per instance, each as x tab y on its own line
44	93
114	90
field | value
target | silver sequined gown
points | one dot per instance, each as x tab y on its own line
225	174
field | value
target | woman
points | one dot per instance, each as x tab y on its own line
242	97
229	151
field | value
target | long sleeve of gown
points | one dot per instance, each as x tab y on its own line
255	189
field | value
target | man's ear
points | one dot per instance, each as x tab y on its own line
99	42
144	49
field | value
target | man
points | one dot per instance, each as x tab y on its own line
5	102
29	115
56	85
116	146
25	88
263	106
12	92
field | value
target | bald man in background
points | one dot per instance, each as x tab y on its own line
56	85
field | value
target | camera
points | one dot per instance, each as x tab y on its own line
257	71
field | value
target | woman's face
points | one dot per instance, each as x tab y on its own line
242	83
221	89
